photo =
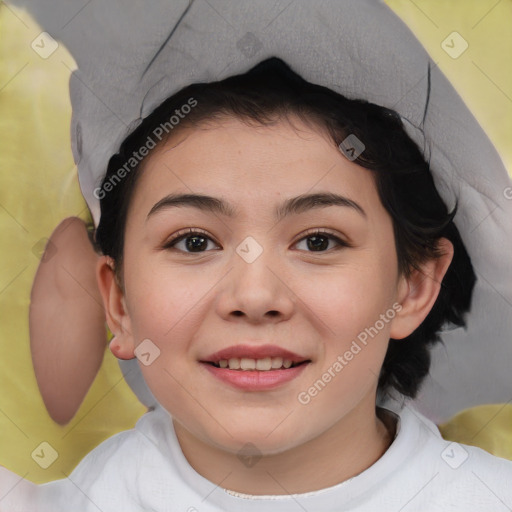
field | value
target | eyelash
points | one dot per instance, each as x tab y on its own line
189	232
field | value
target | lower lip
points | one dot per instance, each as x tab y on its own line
254	380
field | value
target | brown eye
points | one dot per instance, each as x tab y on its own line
318	241
191	242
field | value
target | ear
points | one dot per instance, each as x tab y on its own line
418	293
118	320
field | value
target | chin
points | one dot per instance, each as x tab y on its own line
250	438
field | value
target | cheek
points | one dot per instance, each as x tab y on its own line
355	338
349	304
162	299
348	299
167	309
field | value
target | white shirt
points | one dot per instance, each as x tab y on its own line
144	469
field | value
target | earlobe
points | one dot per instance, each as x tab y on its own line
118	320
418	292
121	351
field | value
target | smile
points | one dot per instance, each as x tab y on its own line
265	364
255	367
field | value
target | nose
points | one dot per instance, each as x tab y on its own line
256	291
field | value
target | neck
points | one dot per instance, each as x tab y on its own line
349	447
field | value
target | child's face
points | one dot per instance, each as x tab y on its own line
312	299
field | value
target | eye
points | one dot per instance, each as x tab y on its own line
193	240
318	241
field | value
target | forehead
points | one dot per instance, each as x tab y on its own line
252	165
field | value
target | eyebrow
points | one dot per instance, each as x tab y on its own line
292	206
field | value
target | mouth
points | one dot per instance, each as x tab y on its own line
264	358
255	367
266	364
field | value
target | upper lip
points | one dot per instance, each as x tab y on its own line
254	352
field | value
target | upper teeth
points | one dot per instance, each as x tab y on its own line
246	363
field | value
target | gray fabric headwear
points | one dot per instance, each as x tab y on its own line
131	56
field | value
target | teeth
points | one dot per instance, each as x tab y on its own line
277	362
264	364
234	363
246	363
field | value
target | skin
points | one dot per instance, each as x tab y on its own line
67	320
312	303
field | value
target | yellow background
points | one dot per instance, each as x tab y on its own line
39	188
